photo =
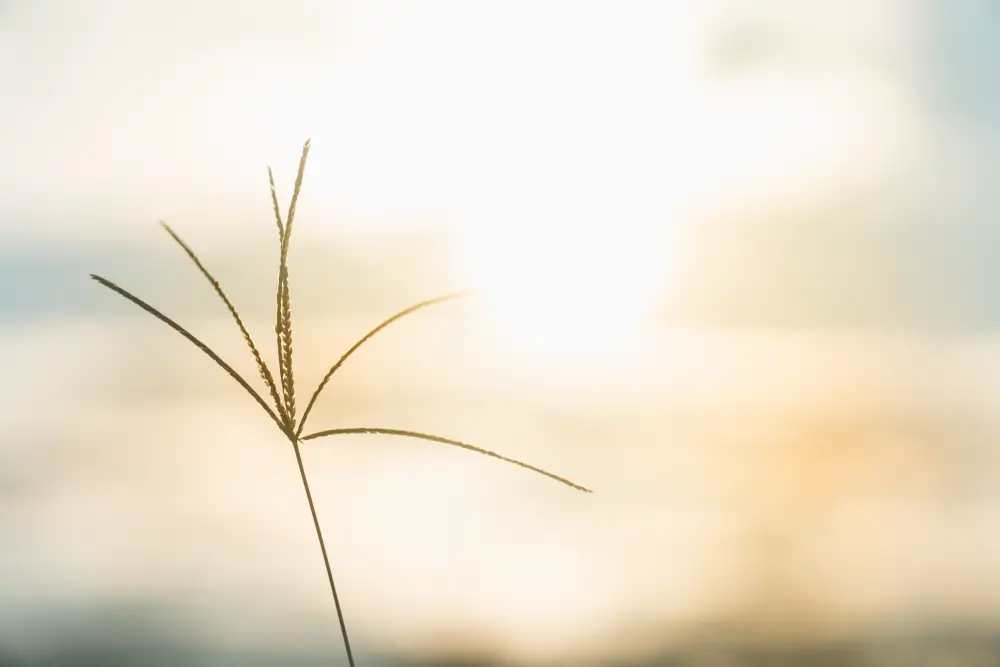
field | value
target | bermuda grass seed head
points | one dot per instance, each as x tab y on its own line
281	408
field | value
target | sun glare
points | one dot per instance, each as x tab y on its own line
569	173
562	280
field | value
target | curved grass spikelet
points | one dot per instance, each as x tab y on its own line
191	337
274	203
386	322
365	430
290	218
265	372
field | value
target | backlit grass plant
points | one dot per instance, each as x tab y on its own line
281	386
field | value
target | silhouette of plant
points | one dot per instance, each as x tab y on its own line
282	409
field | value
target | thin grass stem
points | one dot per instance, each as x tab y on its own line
322	548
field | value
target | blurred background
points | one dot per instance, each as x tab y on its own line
736	265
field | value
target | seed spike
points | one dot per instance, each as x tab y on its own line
364	430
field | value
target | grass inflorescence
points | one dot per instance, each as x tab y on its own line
281	391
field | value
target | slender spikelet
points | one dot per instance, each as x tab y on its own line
278	320
363	430
191	337
295	195
284	324
277	312
265	372
274	203
401	314
285	356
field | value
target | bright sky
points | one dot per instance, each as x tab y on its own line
439	110
569	148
